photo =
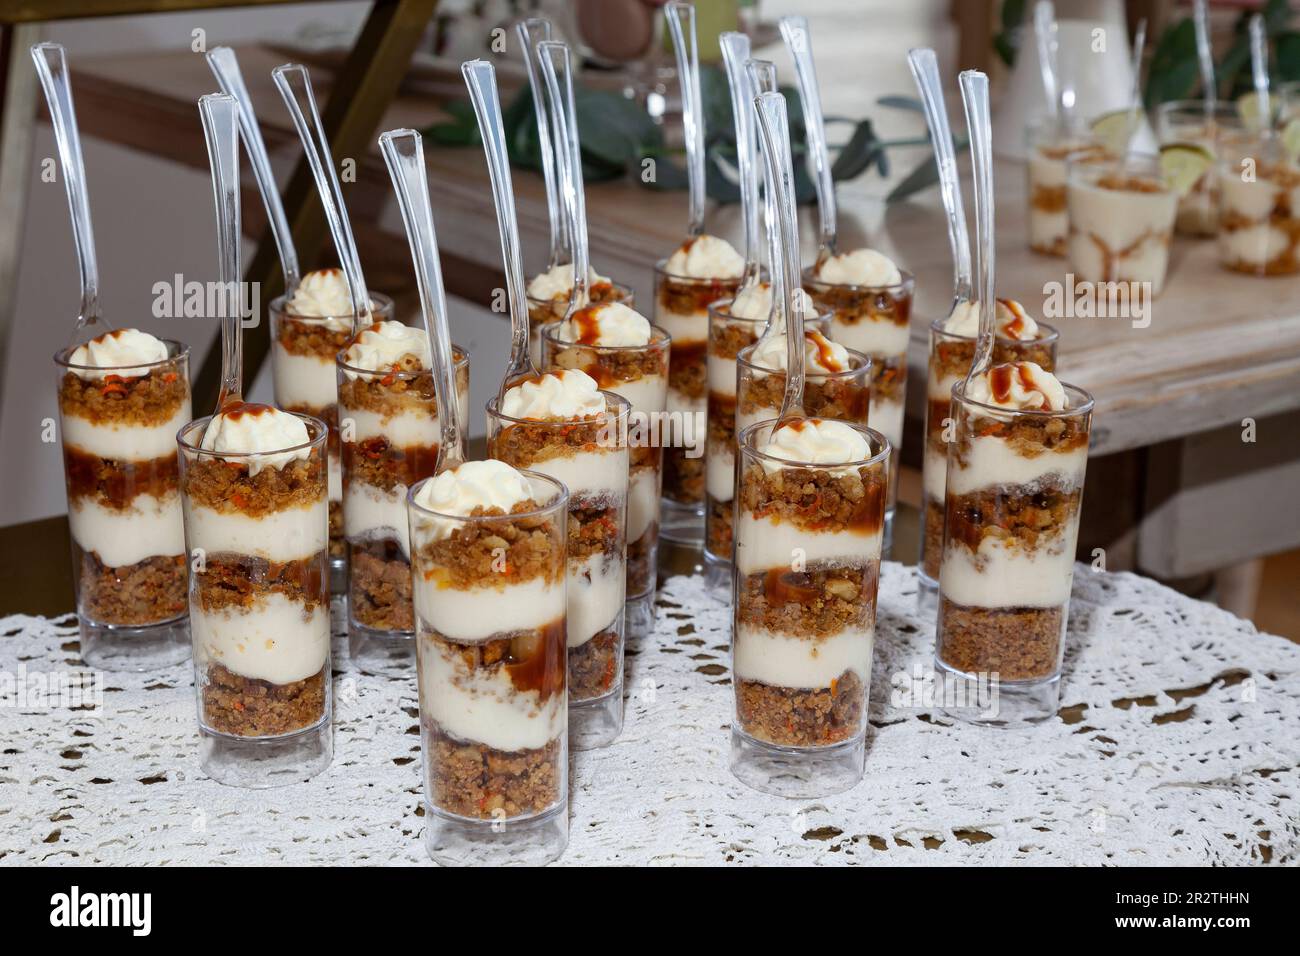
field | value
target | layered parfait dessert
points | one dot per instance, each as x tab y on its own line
560	424
1121	221
1187	126
810	523
1015	485
1050	153
1259	229
309	328
702	271
390	433
870	301
618	348
488	555
122	397
257	522
549	293
952	350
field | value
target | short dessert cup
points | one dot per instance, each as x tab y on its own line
682	310
489	608
542	311
638	373
1014	489
590	457
257	529
875	321
1121	223
1050	151
129	565
389	433
809	540
1187	121
303	349
950	359
1259	225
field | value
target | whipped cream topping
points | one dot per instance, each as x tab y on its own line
1012	321
817	441
820	354
323	294
1023	386
389	344
865	267
557	282
706	257
126	353
609	323
755	302
248	428
475	484
560	395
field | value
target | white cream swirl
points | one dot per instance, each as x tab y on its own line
1012	321
556	396
864	267
706	257
610	323
257	430
324	294
755	302
816	441
820	354
126	353
1023	386
475	484
557	282
388	344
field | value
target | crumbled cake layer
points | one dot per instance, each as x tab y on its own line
688	372
641	561
528	444
845	398
226	486
611	368
821	601
1028	435
148	592
853	305
1016	643
338	541
246	707
817	500
594	666
115	483
684	478
379	586
490	552
474	780
311	338
932	543
718	528
728	336
596	526
951	357
794	717
379	463
1029	517
395	393
238	582
692	296
542	311
151	399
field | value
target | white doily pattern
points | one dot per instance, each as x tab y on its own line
1181	747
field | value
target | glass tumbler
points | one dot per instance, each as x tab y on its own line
542	311
1188	121
1259	224
257	529
129	567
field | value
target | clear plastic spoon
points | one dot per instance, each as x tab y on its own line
762	79
925	69
1135	93
681	24
225	66
558	72
403	151
1259	71
799	41
52	67
1204	53
735	53
774	126
975	97
220	113
1048	63
481	79
533	32
294	84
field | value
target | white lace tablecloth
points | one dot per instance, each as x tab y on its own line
1126	782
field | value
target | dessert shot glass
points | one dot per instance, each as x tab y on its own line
257	529
809	540
876	322
1259	227
950	359
1050	150
682	310
490	646
305	380
590	457
638	373
129	566
541	311
1188	121
1121	221
1014	488
389	434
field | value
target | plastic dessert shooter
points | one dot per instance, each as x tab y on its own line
703	271
952	350
257	528
560	425
488	552
1050	149
1186	121
1121	221
1259	207
638	373
1015	485
122	398
810	514
870	301
308	329
388	415
548	300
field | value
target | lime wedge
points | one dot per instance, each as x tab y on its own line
1248	110
1291	139
1112	130
1183	164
